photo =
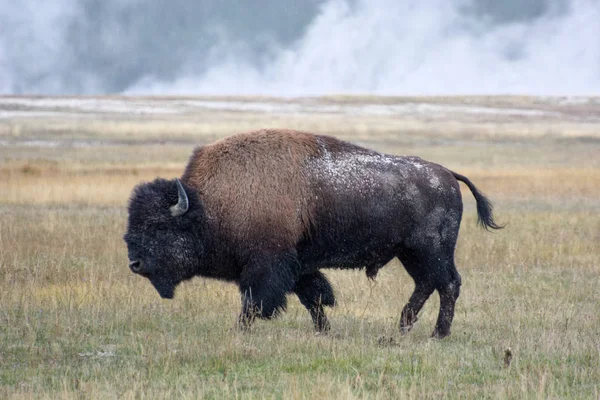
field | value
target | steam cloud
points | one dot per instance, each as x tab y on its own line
546	47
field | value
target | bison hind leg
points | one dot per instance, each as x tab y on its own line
431	270
314	292
423	289
449	291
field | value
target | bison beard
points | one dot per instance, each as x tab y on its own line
269	209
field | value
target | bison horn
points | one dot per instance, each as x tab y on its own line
182	204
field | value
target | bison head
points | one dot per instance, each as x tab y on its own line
163	239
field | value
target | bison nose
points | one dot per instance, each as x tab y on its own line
136	266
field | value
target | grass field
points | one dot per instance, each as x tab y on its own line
75	323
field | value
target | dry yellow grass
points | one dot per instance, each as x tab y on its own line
90	186
75	323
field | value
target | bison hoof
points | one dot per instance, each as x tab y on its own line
323	327
440	334
406	326
404	329
407	321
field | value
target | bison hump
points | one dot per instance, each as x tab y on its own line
254	186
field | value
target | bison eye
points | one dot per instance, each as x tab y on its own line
136	266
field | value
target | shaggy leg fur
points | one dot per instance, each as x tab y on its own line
314	292
264	284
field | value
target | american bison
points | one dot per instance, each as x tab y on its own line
269	209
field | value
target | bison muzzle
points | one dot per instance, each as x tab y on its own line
269	209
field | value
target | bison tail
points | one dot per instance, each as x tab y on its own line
485	216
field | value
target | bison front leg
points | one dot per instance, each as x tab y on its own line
314	292
264	283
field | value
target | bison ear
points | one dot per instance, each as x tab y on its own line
182	204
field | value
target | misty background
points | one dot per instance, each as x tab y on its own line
309	47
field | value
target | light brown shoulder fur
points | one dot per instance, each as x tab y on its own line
254	186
